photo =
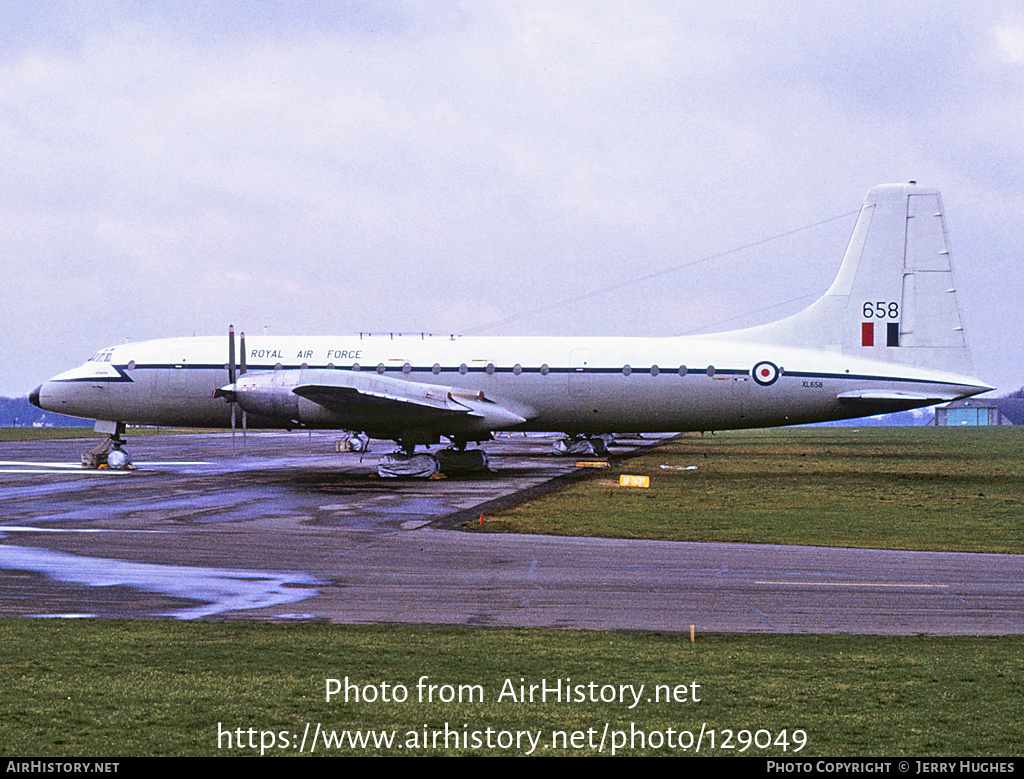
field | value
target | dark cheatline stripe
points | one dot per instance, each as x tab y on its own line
693	373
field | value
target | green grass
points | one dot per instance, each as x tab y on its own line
44	433
85	687
47	433
949	489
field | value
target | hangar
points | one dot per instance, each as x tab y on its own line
974	411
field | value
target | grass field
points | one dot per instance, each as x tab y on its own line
44	433
161	688
48	433
950	489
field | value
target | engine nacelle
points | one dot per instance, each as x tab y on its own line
267	395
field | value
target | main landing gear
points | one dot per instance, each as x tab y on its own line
455	459
582	445
110	453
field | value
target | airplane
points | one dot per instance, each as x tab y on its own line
886	336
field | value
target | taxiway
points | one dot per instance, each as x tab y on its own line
294	530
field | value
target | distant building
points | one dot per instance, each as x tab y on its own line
990	411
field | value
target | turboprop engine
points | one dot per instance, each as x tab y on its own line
383	406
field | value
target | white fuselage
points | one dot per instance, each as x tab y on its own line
559	384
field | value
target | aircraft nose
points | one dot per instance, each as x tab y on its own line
33	396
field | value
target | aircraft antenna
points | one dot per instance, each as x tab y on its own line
656	274
721	322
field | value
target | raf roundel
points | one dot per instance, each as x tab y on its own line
765	373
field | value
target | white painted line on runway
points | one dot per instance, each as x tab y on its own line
79	465
23	463
16	466
173	462
854	584
28	529
67	472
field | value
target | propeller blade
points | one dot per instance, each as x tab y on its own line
241	372
231	354
231	380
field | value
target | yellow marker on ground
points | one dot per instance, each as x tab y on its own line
634	481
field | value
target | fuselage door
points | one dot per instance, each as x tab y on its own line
177	383
741	384
580	375
182	381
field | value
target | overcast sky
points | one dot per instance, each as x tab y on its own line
331	167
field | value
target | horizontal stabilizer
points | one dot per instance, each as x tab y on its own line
889	399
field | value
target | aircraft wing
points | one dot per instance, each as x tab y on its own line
347	400
369	401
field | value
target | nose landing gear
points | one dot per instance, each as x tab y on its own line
110	452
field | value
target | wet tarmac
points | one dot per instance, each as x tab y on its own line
294	530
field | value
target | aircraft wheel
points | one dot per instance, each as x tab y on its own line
409	466
464	461
119	459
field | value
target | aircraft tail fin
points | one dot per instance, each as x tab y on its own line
894	299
